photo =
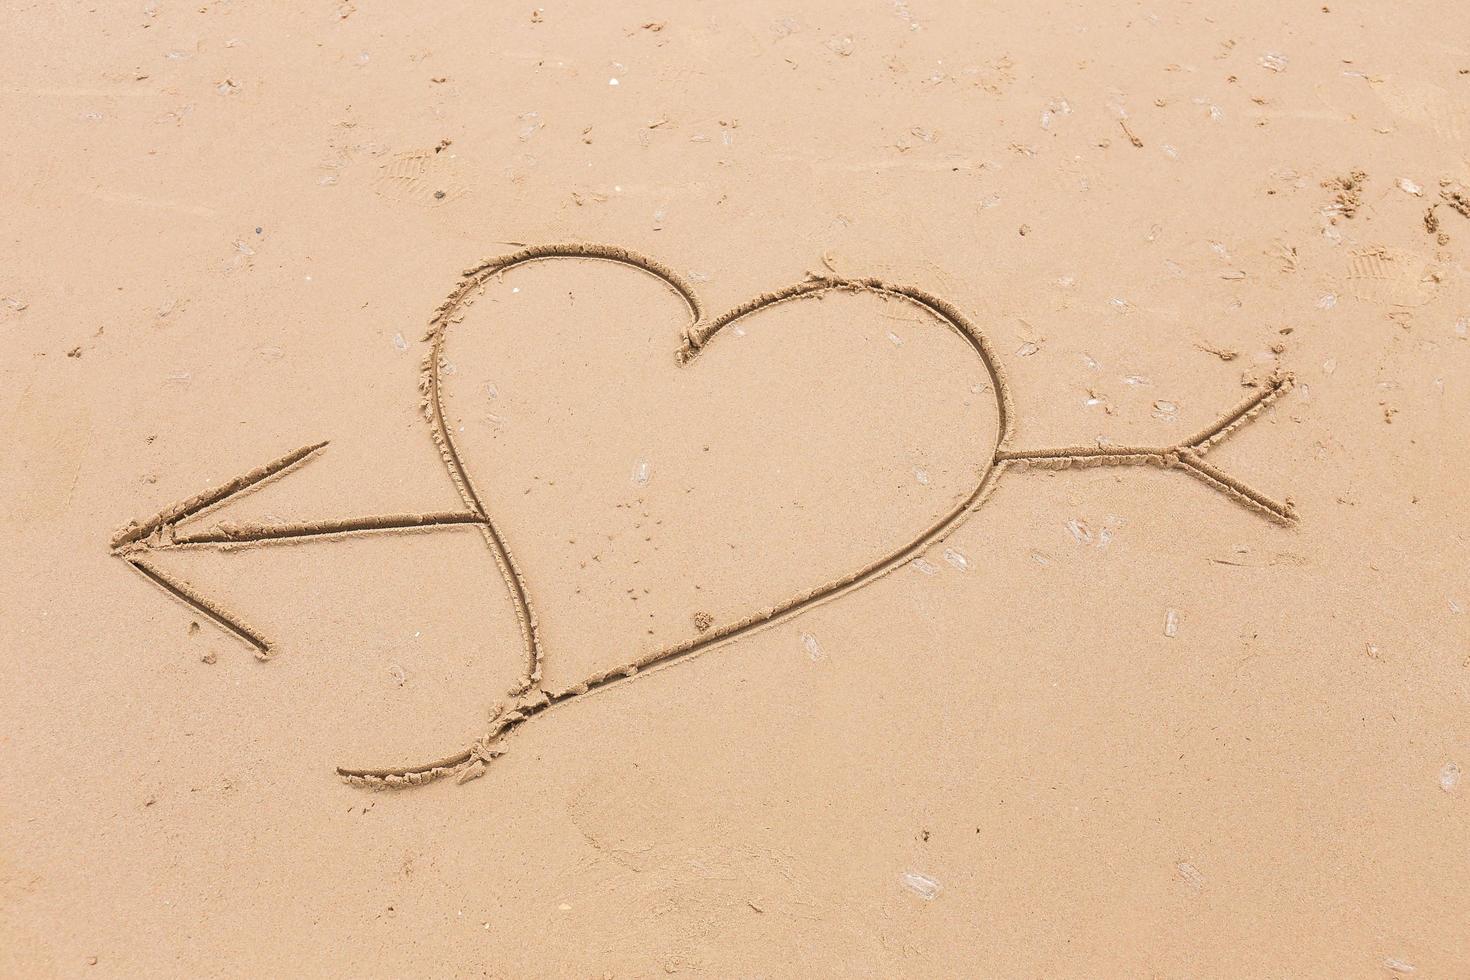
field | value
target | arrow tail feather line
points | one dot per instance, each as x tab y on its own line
1187	455
1243	493
1241	415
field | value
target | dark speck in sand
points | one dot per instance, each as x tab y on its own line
438	195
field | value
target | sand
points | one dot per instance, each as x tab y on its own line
895	489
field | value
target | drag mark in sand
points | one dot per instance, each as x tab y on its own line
529	698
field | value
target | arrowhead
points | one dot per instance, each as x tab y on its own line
136	538
166	519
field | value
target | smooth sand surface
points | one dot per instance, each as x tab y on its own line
780	641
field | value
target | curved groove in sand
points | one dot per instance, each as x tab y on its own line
531	698
472	761
696	337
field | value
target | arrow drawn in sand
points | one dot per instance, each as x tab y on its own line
530	699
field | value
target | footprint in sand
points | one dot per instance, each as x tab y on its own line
1391	277
429	178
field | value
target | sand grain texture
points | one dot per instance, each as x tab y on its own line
1020	447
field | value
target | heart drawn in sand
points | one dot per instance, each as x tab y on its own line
662	505
777	479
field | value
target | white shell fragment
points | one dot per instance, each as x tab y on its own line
813	648
921	885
